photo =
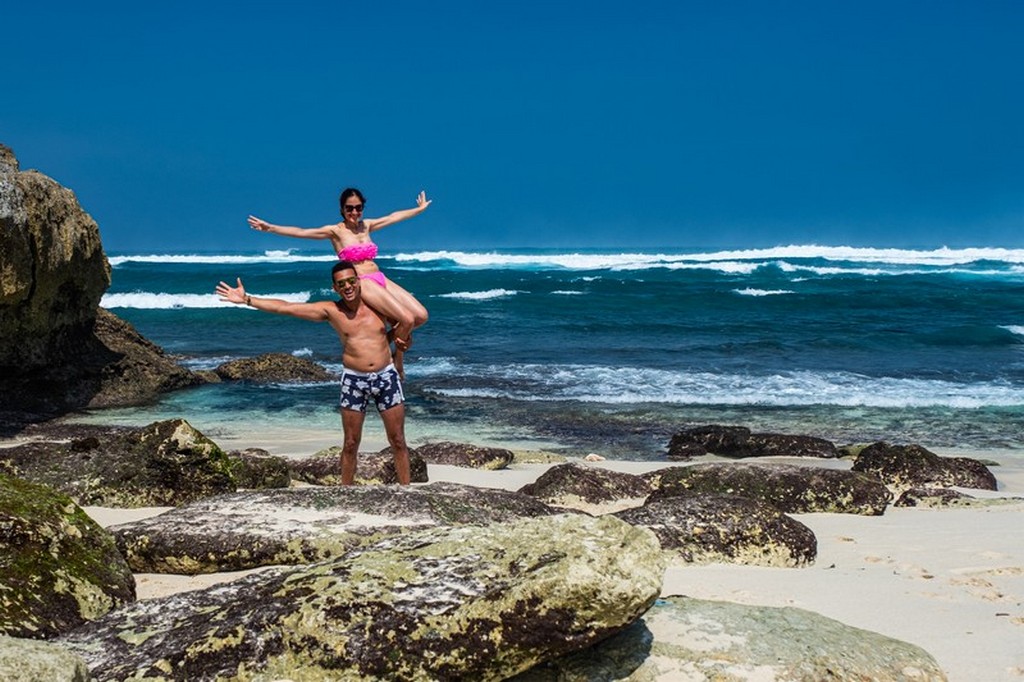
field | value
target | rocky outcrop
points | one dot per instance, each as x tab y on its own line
164	464
693	639
932	497
708	528
738	441
447	603
592	489
28	660
906	466
792	489
274	368
255	468
465	455
58	351
301	525
58	568
324	468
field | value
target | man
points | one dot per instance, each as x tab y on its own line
368	369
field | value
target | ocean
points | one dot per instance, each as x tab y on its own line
612	352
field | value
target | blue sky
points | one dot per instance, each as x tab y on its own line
568	125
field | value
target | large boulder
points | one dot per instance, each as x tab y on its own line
275	368
164	464
792	489
58	568
738	441
465	455
693	639
588	488
908	466
28	660
711	528
302	525
481	603
58	350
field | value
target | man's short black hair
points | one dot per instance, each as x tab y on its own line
341	265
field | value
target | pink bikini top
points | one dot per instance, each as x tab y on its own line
358	252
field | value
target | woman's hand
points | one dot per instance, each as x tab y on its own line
422	202
259	224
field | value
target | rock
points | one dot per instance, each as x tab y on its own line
28	660
465	455
58	568
932	497
708	528
906	466
591	489
692	639
255	468
738	441
58	350
324	468
301	525
164	464
274	368
445	603
792	489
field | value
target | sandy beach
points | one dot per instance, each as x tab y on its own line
950	580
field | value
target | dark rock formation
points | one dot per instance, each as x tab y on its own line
707	528
58	568
28	660
792	489
694	639
932	497
58	351
276	368
302	525
588	488
907	466
165	463
465	455
738	441
470	603
255	468
324	468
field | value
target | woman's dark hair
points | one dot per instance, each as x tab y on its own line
347	194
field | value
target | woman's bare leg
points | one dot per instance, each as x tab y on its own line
378	298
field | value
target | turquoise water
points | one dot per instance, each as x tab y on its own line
609	352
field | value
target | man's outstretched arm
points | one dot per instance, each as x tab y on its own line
314	312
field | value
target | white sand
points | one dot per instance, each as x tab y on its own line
949	580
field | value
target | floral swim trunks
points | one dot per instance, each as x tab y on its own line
358	387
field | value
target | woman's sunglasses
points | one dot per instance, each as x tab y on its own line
353	208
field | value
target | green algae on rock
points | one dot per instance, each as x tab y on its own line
58	568
444	603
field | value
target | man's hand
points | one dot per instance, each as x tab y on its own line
231	294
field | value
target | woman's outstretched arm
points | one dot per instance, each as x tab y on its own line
325	232
421	205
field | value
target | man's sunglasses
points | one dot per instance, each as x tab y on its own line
350	281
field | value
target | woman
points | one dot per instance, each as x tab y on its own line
351	241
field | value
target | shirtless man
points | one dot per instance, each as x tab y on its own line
368	369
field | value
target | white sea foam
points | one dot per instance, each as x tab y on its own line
303	353
762	292
568	293
1016	329
479	295
163	301
286	256
644	385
